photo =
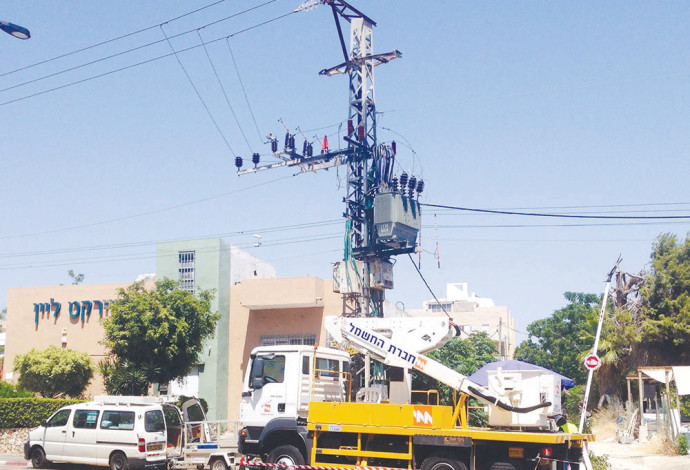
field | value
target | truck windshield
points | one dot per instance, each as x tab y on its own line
274	369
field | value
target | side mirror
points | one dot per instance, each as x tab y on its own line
256	380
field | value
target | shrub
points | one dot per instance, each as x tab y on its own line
28	412
682	444
54	372
8	390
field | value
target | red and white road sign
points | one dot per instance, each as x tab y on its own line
592	362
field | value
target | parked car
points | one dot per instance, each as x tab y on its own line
120	432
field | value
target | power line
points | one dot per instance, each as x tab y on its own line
61	56
143	62
227	100
246	97
427	286
151	212
567	216
601	224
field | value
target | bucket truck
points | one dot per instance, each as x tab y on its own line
296	407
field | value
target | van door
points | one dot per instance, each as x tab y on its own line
115	432
193	413
55	433
80	444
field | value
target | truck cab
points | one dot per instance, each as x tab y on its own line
279	383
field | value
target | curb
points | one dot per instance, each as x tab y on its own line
14	463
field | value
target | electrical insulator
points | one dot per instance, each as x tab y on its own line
310	149
393	147
403	182
238	163
274	145
350	127
287	139
413	183
304	148
394	184
420	187
255	159
292	142
361	132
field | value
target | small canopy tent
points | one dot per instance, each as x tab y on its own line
481	377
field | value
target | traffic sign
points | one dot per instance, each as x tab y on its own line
592	362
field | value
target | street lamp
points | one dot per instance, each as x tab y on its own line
15	30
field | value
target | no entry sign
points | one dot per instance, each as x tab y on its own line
592	362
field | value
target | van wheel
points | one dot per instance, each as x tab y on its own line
286	455
218	464
442	463
118	461
38	458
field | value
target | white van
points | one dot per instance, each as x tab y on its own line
120	432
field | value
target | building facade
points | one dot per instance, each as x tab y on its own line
472	314
255	308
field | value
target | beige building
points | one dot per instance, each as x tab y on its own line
473	313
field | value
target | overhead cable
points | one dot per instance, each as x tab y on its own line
133	33
567	216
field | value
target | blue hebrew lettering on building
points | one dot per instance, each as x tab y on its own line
74	306
57	307
85	309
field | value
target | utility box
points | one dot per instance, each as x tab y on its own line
397	219
524	388
346	278
380	274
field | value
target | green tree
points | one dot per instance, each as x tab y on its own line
465	356
54	372
558	342
76	278
665	316
155	336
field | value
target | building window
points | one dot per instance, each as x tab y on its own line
276	340
185	269
439	307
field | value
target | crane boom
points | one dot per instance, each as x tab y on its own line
405	349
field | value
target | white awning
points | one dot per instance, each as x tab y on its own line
681	375
657	374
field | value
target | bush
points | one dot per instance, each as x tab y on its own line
28	412
54	372
8	390
600	462
682	444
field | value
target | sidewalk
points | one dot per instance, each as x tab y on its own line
637	457
14	460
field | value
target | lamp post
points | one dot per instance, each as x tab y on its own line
15	30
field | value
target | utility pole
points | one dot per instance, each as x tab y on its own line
381	211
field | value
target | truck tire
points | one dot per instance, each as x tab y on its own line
442	463
118	461
218	464
287	455
38	458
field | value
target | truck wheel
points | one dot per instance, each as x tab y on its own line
118	461
442	463
218	464
38	458
288	455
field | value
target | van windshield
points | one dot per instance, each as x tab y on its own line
154	421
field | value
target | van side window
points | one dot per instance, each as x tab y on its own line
59	419
274	369
154	421
122	420
85	419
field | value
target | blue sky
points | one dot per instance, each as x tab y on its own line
541	106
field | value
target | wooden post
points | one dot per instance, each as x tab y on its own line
641	390
630	400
